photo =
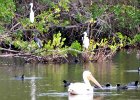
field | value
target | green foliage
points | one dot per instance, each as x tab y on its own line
126	16
123	40
24	45
75	46
113	48
92	45
64	4
80	17
136	38
97	10
1	29
45	1
56	43
117	41
18	34
103	42
7	9
55	47
116	17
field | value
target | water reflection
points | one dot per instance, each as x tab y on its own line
33	89
85	97
81	97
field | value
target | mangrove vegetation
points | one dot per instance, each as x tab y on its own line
56	35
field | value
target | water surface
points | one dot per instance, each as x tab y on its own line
44	81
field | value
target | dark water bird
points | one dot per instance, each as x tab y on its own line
121	87
133	84
19	77
66	83
108	85
38	42
138	69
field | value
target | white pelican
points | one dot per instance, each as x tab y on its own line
83	88
31	13
85	40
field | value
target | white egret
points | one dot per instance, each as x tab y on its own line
85	40
31	13
83	88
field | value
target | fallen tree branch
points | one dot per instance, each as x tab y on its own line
9	50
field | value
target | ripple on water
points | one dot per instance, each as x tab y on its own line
106	94
26	78
54	94
65	94
131	71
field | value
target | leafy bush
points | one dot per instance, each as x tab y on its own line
98	11
25	45
127	16
136	38
56	46
7	9
56	43
75	48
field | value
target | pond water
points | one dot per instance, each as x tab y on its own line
44	81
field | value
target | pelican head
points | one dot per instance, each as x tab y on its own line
88	76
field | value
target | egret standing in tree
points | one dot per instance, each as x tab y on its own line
86	39
31	13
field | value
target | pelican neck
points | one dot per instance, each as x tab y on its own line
86	81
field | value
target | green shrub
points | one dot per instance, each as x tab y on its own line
98	11
24	45
75	48
7	9
136	38
126	16
56	43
